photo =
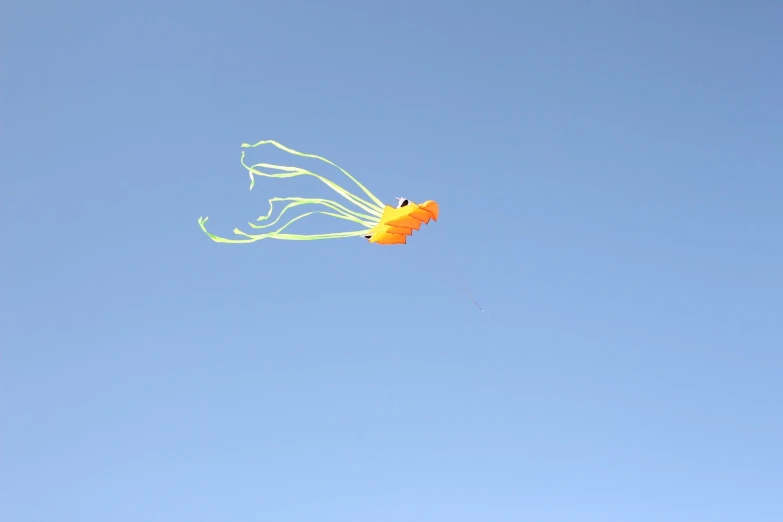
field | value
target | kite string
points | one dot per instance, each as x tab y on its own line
457	281
467	290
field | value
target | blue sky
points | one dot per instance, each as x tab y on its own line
609	177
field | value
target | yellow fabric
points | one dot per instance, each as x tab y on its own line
397	224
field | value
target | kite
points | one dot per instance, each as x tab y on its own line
381	224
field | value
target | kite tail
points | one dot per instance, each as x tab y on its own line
375	208
368	218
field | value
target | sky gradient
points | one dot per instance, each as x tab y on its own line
610	178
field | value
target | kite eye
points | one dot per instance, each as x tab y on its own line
403	202
368	236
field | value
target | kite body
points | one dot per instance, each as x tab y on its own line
381	224
397	224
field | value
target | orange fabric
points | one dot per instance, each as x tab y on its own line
397	224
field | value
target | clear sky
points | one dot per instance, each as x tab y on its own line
610	176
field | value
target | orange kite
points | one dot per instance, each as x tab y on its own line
397	224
